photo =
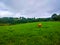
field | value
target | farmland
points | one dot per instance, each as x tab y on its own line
31	34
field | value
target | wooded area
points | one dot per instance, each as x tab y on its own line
12	20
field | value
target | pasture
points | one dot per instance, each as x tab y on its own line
31	34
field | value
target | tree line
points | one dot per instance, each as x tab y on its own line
12	20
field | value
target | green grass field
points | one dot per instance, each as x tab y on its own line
30	34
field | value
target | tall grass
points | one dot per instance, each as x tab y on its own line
31	34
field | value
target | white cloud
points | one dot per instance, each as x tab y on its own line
6	11
18	14
3	6
6	14
31	8
10	14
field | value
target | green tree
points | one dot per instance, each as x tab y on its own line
54	17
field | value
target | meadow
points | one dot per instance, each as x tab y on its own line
31	34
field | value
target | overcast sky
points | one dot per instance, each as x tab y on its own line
29	8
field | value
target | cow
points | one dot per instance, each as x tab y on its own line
39	25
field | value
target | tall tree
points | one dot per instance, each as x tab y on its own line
54	17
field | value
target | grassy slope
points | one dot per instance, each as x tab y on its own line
30	34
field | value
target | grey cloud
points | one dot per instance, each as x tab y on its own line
34	8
